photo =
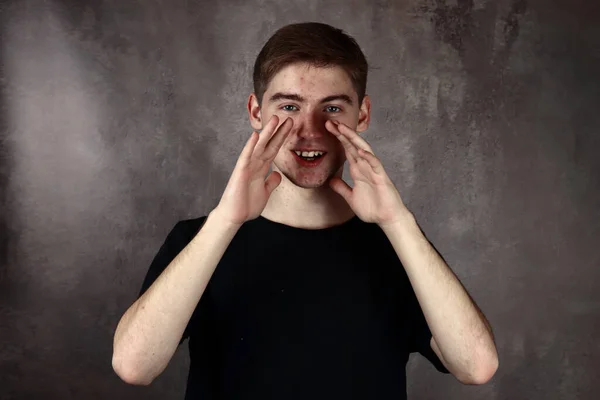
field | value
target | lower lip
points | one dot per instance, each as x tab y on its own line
308	164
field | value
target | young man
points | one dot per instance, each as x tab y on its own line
298	286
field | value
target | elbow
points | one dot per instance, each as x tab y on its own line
129	374
484	373
490	371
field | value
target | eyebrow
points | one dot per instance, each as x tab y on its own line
296	97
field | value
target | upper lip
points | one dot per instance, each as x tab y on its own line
307	149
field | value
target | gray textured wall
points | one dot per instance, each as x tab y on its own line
120	118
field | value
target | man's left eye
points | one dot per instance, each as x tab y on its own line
339	109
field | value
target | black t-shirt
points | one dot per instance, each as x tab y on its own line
293	313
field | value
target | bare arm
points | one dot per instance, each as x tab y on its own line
150	330
461	335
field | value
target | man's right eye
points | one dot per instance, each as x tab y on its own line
288	105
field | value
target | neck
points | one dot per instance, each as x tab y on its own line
314	208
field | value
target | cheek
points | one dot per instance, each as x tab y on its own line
284	157
339	148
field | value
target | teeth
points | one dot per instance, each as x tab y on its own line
309	153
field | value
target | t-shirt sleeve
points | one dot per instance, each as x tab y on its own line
419	335
178	238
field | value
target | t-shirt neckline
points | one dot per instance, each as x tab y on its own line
294	228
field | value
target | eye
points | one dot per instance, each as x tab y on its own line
335	108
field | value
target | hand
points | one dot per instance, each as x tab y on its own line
247	191
374	197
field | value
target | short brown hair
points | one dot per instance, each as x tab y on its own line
318	44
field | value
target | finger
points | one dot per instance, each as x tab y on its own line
372	160
265	135
272	181
351	150
341	187
246	153
278	138
353	137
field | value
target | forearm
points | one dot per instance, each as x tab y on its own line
149	332
458	326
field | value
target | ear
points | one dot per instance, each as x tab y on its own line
254	112
364	114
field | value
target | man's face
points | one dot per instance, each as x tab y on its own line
300	91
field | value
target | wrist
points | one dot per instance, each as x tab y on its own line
404	219
216	216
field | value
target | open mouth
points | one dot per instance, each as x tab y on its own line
310	155
309	159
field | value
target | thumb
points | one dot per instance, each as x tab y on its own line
272	181
341	187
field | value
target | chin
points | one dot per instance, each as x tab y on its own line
312	179
311	185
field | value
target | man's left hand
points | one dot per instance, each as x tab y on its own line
374	197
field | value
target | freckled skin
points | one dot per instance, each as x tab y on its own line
309	129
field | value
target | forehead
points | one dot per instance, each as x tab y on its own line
311	81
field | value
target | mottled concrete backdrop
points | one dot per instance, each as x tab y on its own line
120	118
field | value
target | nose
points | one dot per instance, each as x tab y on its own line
310	126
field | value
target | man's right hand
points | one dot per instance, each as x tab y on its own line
247	191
